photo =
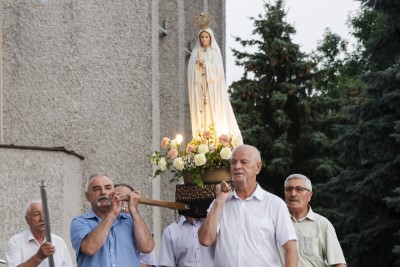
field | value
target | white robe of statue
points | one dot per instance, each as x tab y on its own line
208	93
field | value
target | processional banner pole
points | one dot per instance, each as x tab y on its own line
46	219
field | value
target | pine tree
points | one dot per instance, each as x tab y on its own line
277	106
366	192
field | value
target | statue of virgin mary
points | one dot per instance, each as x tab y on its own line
208	94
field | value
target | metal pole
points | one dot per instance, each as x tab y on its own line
1	72
46	219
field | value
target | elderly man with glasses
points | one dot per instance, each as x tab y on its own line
317	242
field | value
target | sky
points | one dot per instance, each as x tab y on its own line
309	17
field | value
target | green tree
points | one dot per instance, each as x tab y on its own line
277	106
365	194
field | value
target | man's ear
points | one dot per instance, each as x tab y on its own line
87	196
259	165
311	193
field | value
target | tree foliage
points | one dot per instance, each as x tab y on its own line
333	116
278	104
366	192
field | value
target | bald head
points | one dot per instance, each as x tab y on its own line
252	151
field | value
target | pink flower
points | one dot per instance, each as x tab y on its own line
191	149
224	139
207	135
165	142
173	153
211	147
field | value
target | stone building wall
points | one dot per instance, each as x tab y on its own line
22	169
100	78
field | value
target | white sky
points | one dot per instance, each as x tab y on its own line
309	17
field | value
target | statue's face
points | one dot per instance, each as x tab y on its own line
205	39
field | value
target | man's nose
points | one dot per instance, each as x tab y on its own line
237	165
290	191
103	191
293	192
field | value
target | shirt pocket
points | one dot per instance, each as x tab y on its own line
310	246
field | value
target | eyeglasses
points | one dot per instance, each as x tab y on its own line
298	189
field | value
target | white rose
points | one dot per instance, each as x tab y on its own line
203	148
200	159
178	163
236	141
162	164
174	143
226	153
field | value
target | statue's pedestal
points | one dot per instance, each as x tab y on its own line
198	199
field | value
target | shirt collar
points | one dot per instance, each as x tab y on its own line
310	216
30	238
182	219
259	194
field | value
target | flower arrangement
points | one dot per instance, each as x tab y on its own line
205	151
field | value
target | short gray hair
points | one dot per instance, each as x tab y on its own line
28	207
308	184
95	175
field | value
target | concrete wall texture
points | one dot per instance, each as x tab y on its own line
99	78
21	172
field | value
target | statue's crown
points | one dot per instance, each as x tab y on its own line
203	21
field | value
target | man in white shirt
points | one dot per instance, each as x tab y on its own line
247	224
30	248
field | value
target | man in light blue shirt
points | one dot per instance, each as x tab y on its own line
105	236
180	245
